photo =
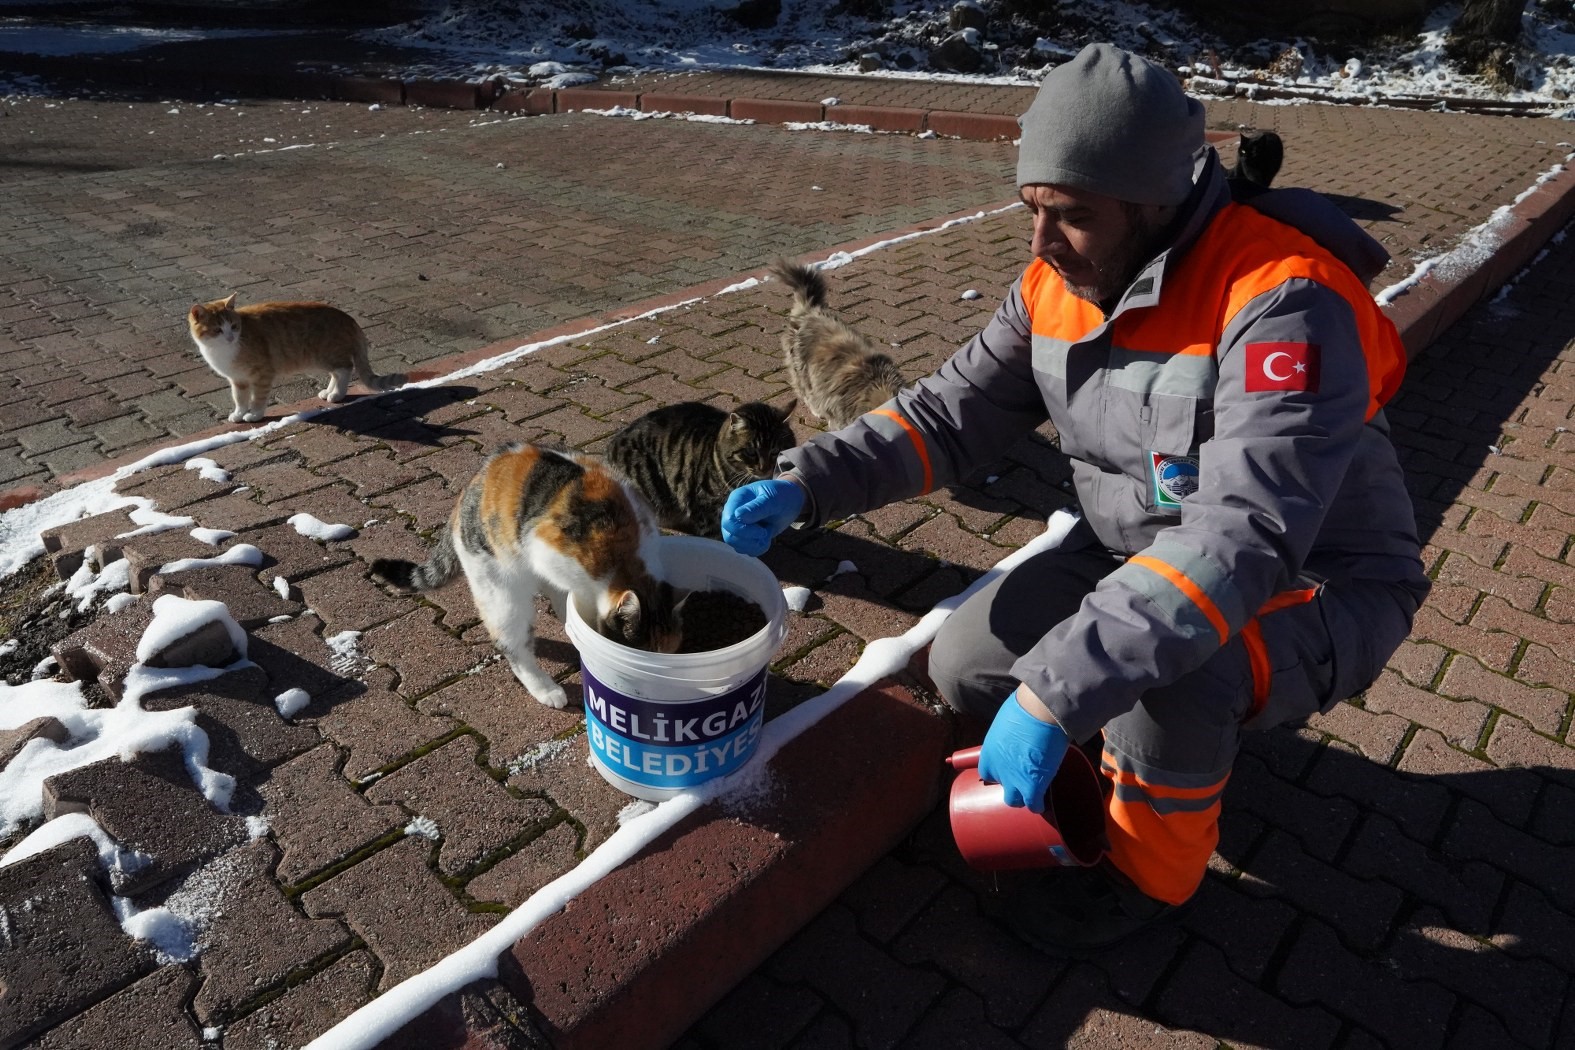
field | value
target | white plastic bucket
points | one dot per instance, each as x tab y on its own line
660	723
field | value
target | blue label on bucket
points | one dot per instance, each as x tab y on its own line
673	744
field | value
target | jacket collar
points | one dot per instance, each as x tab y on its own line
1210	193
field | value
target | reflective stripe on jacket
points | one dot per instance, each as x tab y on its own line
1224	430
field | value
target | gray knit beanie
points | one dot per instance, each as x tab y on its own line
1114	123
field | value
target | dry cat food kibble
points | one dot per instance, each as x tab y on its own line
718	619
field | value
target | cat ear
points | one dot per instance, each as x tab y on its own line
229	303
626	609
197	312
736	422
787	410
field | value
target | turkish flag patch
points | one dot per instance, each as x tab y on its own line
1282	366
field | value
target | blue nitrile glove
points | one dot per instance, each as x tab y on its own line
756	512
1022	753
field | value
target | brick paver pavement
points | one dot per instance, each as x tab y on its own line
444	230
1392	874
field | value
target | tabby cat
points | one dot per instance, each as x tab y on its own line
837	372
687	457
254	346
542	520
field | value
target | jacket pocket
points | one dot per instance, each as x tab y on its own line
1169	437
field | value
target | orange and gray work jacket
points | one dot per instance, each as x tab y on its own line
1225	431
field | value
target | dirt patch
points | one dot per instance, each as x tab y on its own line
35	613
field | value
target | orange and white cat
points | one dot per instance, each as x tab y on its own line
538	520
255	346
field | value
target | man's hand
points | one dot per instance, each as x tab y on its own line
1021	752
756	512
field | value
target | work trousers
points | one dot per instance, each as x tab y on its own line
1166	761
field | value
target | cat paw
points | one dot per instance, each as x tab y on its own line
540	686
330	395
237	416
555	698
251	417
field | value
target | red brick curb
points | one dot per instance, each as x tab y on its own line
643	952
1439	299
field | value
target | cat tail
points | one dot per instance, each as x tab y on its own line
370	379
809	287
439	568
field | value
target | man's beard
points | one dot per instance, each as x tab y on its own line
1145	239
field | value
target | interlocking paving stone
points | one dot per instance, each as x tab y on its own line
66	544
105	649
290	556
373	722
1321	825
997	965
237	512
176	487
296	655
494	703
305	1010
421	653
238	712
317	817
147	1015
1397	1010
148	804
1082	1013
250	602
513	879
63	950
344	599
563	773
149	553
1208	997
475	815
42	728
395	903
253	938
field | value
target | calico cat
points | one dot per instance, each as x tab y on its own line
686	458
543	520
253	346
837	372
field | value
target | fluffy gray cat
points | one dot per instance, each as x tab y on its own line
837	372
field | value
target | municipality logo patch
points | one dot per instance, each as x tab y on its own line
1175	478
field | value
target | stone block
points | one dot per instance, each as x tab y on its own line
151	805
210	645
149	1014
315	815
105	649
251	603
13	740
398	906
237	710
65	544
475	815
64	949
255	939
